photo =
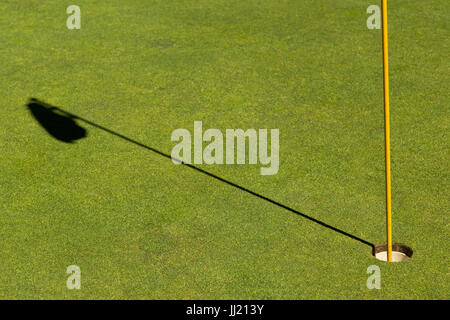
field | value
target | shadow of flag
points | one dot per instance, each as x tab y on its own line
60	126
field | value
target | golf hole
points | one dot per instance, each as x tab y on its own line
400	252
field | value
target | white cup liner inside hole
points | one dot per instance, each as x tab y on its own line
400	252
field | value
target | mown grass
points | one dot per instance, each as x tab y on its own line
140	227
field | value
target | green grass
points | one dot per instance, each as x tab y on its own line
140	227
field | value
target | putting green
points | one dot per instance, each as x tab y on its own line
141	227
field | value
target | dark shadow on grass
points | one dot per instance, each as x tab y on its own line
60	126
45	114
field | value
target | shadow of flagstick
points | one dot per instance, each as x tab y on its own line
323	224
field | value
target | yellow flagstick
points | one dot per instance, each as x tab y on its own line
387	132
